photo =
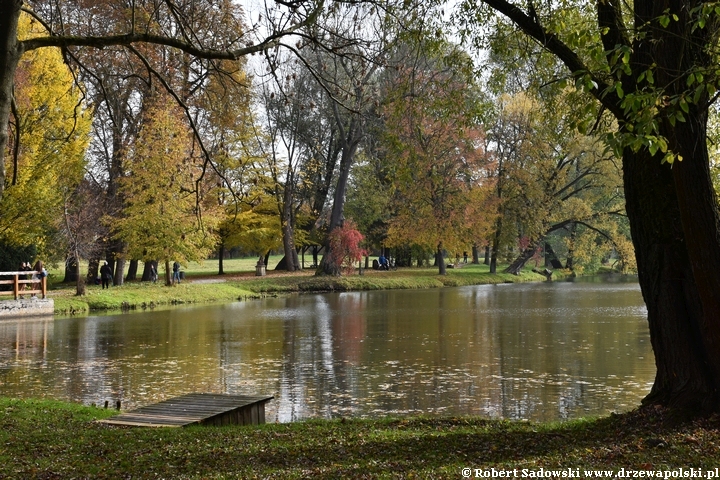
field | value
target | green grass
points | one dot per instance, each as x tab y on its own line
203	285
47	439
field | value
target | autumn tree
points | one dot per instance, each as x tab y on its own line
167	216
350	80
657	76
74	26
290	106
432	132
50	134
550	178
369	196
79	227
345	245
231	132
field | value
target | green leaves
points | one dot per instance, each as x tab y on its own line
665	19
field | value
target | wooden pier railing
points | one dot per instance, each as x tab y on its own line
23	286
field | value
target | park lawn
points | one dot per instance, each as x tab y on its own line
203	285
50	439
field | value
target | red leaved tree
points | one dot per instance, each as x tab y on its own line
345	248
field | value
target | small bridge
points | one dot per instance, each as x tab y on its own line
20	283
196	409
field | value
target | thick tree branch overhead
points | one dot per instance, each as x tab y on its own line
186	40
192	29
553	44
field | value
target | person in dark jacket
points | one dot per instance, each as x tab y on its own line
105	275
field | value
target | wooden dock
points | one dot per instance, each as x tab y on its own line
194	409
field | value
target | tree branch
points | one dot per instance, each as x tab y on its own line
557	47
186	46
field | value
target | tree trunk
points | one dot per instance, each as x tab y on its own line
146	277
517	265
132	271
119	271
79	281
495	248
570	262
71	270
487	255
674	222
685	376
336	215
93	268
168	274
475	254
551	258
9	58
292	263
221	256
440	259
315	255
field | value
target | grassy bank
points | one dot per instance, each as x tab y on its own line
43	439
203	285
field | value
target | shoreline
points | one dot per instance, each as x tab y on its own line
205	289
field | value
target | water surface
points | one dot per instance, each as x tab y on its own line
545	351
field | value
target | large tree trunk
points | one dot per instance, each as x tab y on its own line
684	377
292	263
440	259
495	245
93	270
70	270
132	271
119	271
168	274
146	275
9	58
327	266
79	280
517	265
674	223
221	257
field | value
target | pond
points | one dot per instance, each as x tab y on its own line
541	351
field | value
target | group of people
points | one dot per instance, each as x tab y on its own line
35	273
106	274
384	263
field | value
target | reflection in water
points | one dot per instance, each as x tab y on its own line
540	351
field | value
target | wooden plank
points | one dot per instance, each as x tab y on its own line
197	408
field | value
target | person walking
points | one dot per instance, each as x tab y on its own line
105	275
176	272
153	273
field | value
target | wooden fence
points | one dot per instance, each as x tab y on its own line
23	286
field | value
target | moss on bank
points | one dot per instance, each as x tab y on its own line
48	439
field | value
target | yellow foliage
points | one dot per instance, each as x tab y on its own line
168	214
54	127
